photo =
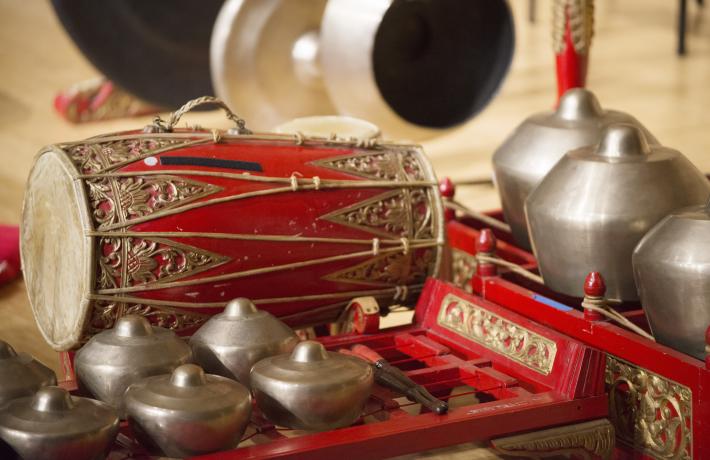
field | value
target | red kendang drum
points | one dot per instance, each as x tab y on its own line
172	225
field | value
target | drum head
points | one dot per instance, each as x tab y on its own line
55	252
257	46
157	50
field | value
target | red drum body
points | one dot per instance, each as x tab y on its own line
172	226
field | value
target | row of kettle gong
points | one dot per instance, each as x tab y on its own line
145	372
589	189
41	421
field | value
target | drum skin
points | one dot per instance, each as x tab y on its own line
174	225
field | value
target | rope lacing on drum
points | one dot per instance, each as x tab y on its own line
299	137
401	293
375	246
368	143
405	245
294	182
216	136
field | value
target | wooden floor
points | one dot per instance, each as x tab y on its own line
633	68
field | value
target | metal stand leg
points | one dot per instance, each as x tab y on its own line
682	20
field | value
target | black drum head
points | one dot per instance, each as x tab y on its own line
157	50
439	62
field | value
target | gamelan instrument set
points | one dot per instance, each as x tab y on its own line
217	293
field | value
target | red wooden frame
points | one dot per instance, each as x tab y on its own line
463	233
514	397
564	314
524	400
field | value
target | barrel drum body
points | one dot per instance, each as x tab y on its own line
172	226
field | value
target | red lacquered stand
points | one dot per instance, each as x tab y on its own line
516	385
572	30
462	234
658	398
524	377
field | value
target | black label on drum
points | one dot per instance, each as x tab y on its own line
211	163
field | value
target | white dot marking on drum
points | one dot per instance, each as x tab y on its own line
151	161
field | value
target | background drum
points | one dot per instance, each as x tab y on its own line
137	44
173	225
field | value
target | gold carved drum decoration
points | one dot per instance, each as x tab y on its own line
171	225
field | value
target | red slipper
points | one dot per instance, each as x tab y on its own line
9	253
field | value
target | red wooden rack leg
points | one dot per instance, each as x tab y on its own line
572	30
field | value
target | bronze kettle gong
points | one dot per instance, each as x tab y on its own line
589	213
538	143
